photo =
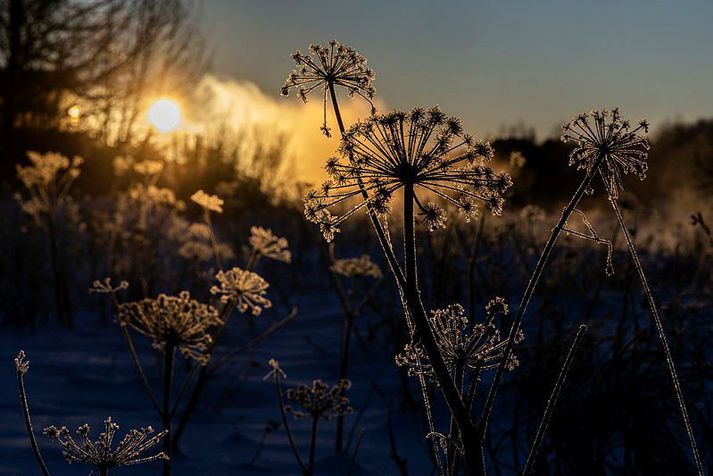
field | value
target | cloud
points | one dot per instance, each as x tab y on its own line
240	109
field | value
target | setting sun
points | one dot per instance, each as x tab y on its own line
165	115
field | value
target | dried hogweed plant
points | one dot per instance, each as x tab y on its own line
210	203
325	67
236	289
317	401
355	282
182	324
610	147
625	150
423	153
101	454
47	182
422	150
172	323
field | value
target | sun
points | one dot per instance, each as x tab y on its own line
165	115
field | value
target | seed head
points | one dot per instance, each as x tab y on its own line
211	203
21	363
334	65
319	400
173	320
480	348
100	453
245	288
603	133
265	243
352	267
423	149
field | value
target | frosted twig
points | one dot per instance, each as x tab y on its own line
594	236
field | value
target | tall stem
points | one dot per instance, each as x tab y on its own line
343	368
422	333
662	335
312	446
283	415
169	354
530	290
61	293
28	423
414	307
213	240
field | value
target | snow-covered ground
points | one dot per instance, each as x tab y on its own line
86	374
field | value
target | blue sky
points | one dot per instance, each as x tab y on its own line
492	63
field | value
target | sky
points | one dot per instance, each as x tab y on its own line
492	63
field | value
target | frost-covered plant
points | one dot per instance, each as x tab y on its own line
173	322
47	182
355	267
474	348
265	243
325	67
423	151
317	401
243	289
22	366
609	147
417	151
352	297
624	149
210	203
101	454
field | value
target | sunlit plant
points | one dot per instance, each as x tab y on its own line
47	182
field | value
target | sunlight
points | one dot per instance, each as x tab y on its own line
74	112
165	115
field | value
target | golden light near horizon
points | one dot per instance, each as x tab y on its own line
165	115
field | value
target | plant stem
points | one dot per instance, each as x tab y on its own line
312	446
343	368
413	305
347	324
169	354
530	290
103	471
422	332
213	241
549	408
138	367
61	293
28	423
283	414
662	335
